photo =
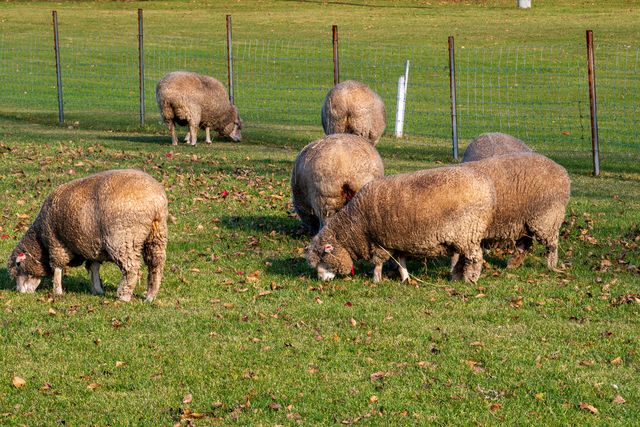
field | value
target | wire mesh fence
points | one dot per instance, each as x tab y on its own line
538	94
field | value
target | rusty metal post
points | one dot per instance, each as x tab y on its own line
454	114
141	63
336	65
595	143
58	71
230	58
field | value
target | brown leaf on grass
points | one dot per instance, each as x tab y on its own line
227	305
587	407
616	361
379	375
495	407
52	312
275	406
373	399
93	386
19	382
46	386
119	363
187	399
477	343
619	400
353	321
471	363
587	362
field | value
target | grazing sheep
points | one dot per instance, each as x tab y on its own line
327	174
197	101
418	213
111	216
493	144
351	107
532	192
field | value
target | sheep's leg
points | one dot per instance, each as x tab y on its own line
457	271
187	137
193	130
93	269
402	267
172	129
128	283
208	131
154	255
524	245
57	281
377	273
454	260
473	264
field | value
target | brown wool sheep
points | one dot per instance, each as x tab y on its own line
327	174
419	213
493	144
351	107
532	193
111	216
197	101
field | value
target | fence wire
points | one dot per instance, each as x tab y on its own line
538	94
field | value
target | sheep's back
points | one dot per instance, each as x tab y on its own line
528	186
328	172
419	211
85	213
182	88
493	144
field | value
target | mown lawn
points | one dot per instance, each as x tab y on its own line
243	333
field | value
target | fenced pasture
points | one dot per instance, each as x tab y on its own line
538	94
242	332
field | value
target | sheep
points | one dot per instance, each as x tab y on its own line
110	216
493	144
418	213
351	107
197	101
328	172
532	193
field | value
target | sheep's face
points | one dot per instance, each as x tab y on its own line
235	132
329	258
19	267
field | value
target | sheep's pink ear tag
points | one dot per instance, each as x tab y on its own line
21	258
328	249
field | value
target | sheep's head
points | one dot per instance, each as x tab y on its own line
329	257
27	266
232	129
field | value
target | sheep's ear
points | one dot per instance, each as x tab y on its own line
328	249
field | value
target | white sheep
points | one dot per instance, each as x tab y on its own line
532	192
492	145
112	216
351	107
419	213
197	101
328	172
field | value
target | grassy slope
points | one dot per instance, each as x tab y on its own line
440	344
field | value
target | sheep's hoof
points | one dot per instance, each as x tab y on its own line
125	298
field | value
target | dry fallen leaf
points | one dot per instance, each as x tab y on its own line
587	407
616	360
92	386
52	312
477	343
373	399
18	382
187	399
119	363
227	305
619	400
353	321
275	406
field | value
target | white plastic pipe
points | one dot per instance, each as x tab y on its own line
402	100
402	96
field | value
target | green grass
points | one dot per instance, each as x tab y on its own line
242	323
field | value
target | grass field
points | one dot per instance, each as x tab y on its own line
243	333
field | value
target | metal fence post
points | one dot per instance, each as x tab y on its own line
595	143
336	65
230	58
58	71
454	114
141	61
